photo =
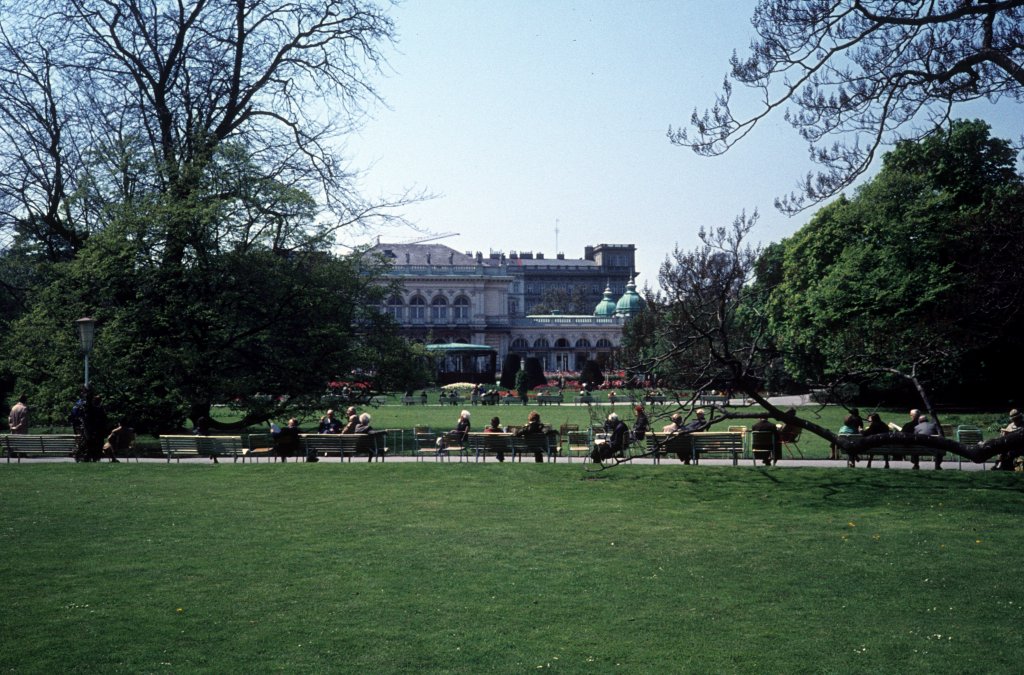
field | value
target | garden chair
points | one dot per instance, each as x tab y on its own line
792	441
968	435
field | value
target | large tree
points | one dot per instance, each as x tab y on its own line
715	330
860	74
173	169
917	276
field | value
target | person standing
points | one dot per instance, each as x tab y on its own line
77	420
18	419
95	426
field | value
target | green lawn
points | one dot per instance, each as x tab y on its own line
470	568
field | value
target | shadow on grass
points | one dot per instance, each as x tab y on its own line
836	486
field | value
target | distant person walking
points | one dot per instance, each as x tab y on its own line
95	426
18	419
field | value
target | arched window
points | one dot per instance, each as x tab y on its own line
561	343
605	343
417	309
541	343
439	309
520	344
460	309
583	343
395	307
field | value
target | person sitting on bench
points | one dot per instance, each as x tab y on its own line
617	441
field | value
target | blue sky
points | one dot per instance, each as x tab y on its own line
522	114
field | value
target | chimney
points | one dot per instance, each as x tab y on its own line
588	253
540	256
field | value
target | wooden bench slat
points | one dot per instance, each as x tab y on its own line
717	443
178	446
346	445
679	444
39	445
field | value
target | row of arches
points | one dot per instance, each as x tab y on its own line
438	309
520	344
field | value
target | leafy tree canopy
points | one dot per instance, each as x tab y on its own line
915	273
173	171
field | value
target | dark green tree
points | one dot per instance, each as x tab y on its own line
509	370
261	330
162	170
591	373
915	277
535	376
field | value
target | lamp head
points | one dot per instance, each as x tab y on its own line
86	332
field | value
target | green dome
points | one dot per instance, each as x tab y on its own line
630	303
607	306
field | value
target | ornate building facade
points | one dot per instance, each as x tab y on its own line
453	297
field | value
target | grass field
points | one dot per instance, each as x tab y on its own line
468	568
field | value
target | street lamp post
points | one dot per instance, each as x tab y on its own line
86	332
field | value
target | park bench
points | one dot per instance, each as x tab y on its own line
577	444
548	399
896	447
543	442
510	400
451	399
680	445
490	397
38	445
259	445
729	443
345	445
483	444
655	399
713	400
583	398
179	447
413	400
427	445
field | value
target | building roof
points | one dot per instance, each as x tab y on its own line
422	254
459	347
607	305
630	303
